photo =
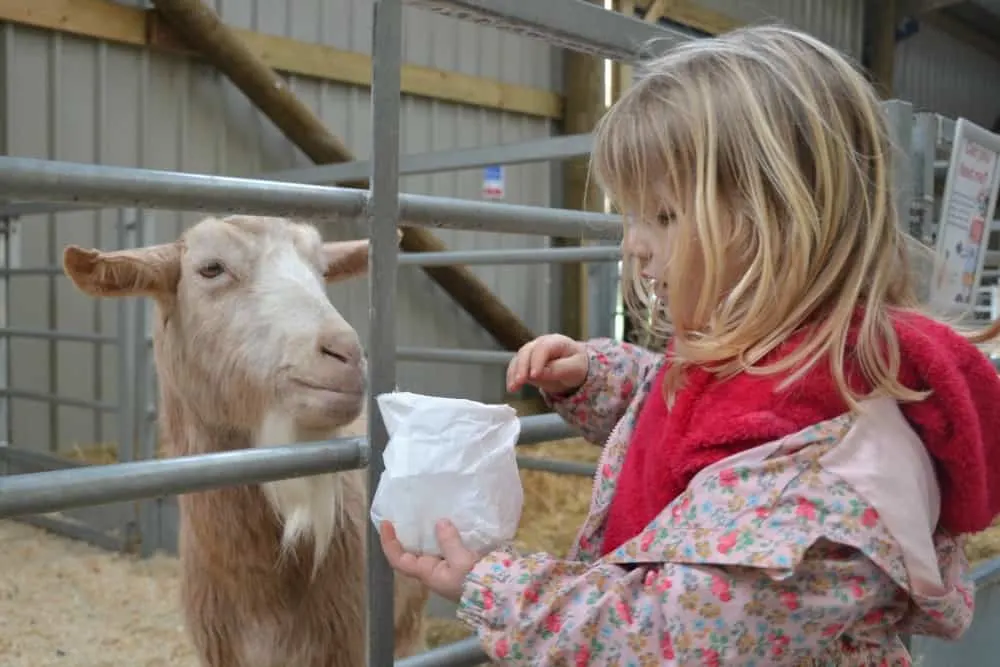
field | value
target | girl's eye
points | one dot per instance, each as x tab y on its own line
665	218
211	270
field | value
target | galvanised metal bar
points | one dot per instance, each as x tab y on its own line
55	399
543	428
33	271
383	224
448	356
559	467
464	653
39	493
540	150
572	24
54	334
449	258
19	209
153	189
513	256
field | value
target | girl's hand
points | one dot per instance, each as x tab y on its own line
554	363
445	576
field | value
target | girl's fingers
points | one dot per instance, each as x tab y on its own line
546	351
451	546
419	567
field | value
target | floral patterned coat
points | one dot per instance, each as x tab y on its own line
771	557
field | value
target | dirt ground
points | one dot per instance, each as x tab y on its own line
64	603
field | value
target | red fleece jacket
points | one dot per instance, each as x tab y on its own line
959	423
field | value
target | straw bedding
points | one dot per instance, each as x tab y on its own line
68	604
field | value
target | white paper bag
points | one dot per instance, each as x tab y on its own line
449	458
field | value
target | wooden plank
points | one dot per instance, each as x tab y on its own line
691	14
583	80
98	19
881	18
112	22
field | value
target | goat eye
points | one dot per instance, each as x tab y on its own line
211	270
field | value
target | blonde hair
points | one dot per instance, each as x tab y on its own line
774	155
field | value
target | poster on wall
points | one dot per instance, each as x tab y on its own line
967	207
493	185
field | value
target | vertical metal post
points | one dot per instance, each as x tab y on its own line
52	248
98	305
383	218
5	356
150	509
126	370
900	115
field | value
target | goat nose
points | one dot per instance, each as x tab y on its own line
344	349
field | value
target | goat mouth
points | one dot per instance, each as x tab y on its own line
315	386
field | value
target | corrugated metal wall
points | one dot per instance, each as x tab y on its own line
836	22
76	99
940	73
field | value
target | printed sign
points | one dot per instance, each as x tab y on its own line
967	208
493	187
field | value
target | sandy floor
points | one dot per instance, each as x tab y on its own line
68	604
65	603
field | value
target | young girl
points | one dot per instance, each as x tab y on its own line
789	481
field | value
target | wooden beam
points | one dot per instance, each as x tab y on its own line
121	24
881	17
927	6
583	82
963	32
655	11
691	14
621	73
221	46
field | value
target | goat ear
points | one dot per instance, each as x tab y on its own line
150	271
347	259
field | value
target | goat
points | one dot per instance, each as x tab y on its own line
250	352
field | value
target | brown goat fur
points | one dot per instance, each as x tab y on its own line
250	352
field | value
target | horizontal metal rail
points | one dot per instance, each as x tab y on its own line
513	256
556	466
464	653
446	356
542	150
38	493
572	24
146	188
50	334
447	258
539	150
55	399
32	271
82	486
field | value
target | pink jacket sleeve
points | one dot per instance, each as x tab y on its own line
541	611
616	371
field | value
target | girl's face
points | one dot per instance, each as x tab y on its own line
650	244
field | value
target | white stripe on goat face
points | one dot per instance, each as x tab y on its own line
290	294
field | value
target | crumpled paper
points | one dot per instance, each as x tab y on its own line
449	458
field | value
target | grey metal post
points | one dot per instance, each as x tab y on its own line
5	355
127	334
383	214
123	350
900	115
150	509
